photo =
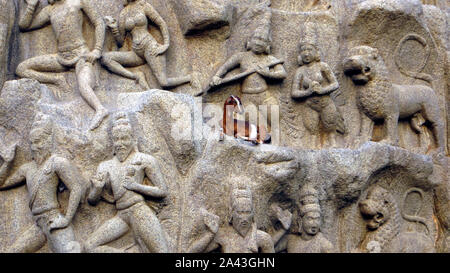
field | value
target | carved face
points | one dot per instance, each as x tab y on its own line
41	145
242	215
123	142
308	53
360	65
258	45
311	223
375	208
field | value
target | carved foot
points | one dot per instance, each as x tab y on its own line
98	118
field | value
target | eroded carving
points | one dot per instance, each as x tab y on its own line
124	176
240	234
42	177
379	98
66	18
307	238
133	19
315	82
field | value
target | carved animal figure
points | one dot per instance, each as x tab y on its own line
382	216
379	99
234	127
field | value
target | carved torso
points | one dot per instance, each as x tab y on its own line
67	23
232	242
254	83
318	244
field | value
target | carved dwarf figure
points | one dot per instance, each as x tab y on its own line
257	65
380	211
316	82
309	239
42	177
66	18
241	234
379	99
133	19
124	175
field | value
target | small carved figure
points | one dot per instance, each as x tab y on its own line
66	18
382	216
316	82
241	234
378	98
309	239
133	19
257	65
231	125
42	177
124	175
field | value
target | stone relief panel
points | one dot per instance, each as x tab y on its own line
137	126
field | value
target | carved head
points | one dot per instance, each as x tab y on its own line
375	208
122	136
361	64
309	211
261	39
41	138
308	53
241	207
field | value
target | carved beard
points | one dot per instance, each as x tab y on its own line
123	153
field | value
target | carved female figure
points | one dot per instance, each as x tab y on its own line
315	82
134	19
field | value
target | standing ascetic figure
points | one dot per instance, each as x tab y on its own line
42	177
310	239
133	19
124	175
241	234
66	18
315	82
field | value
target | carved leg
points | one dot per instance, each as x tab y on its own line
109	231
391	124
63	241
29	241
86	81
158	66
311	122
431	113
148	230
117	61
366	129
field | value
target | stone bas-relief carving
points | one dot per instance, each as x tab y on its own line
133	19
124	175
314	81
42	177
378	98
152	171
66	18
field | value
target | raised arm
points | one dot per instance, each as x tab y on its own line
26	22
74	181
233	62
298	90
154	16
99	25
331	78
117	28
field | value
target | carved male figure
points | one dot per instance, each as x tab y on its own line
379	99
133	19
42	177
66	18
257	66
309	239
241	234
124	175
315	82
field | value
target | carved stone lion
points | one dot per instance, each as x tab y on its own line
379	99
379	210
